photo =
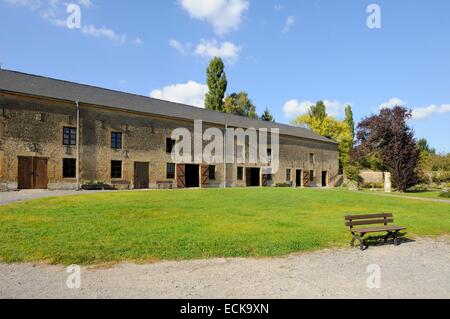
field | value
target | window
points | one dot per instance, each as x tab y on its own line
240	173
288	175
269	155
170	146
312	158
70	136
311	176
116	169
116	140
69	168
170	171
212	172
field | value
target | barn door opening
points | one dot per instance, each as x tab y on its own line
141	175
298	178
192	176
253	177
324	179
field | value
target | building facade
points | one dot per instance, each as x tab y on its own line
60	135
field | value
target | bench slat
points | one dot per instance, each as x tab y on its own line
359	217
377	229
370	222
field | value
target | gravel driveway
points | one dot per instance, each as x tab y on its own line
418	269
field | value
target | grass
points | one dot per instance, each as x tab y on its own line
193	224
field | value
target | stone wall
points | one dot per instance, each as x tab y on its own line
34	127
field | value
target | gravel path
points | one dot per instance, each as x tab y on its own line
418	269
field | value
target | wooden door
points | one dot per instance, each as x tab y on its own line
141	175
181	176
40	173
205	175
248	177
265	180
306	179
25	176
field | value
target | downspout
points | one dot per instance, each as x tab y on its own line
224	158
78	145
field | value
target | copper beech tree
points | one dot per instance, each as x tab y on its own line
386	141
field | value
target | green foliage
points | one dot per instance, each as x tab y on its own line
353	174
283	185
240	104
217	84
333	129
349	120
372	185
318	111
196	224
267	116
445	195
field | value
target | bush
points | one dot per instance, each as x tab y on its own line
352	173
283	185
441	177
445	195
372	185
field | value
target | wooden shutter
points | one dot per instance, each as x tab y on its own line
264	180
205	175
181	176
25	173
306	179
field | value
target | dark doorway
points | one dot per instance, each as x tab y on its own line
324	179
298	178
192	176
253	177
32	173
141	175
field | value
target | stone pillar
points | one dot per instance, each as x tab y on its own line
387	183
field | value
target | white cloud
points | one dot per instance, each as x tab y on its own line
395	101
103	32
85	3
290	21
211	48
278	7
190	93
425	112
54	11
180	47
294	108
224	15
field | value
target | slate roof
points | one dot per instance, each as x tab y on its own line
12	81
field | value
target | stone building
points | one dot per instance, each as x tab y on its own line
60	135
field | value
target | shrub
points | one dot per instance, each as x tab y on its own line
372	185
352	173
283	185
445	195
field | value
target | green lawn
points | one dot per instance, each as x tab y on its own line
191	224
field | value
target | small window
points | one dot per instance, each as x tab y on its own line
116	169
269	155
312	158
69	168
288	175
311	176
170	171
170	146
69	136
212	172
240	173
116	140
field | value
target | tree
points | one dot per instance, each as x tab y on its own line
240	104
388	138
349	120
332	129
318	111
267	116
217	84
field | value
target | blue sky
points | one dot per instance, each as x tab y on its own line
285	54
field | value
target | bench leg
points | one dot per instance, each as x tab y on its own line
396	239
359	239
386	238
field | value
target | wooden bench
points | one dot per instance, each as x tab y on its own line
375	223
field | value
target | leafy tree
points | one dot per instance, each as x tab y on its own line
388	138
330	128
240	104
349	120
267	116
318	111
217	84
